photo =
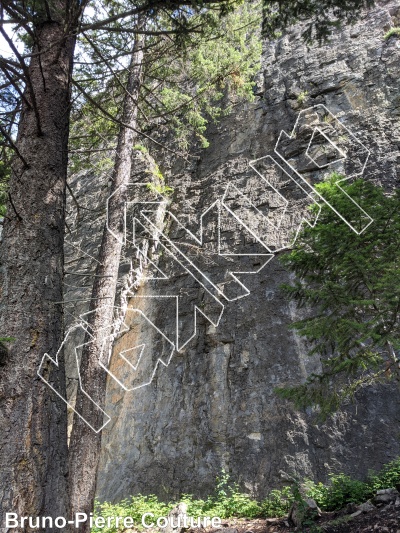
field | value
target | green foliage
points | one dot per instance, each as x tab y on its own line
342	489
3	198
134	507
157	185
212	73
161	189
278	502
6	339
302	97
227	500
338	493
140	148
322	17
389	476
305	515
392	32
104	164
90	131
350	286
155	171
186	84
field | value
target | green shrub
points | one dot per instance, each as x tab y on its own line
388	477
228	501
162	190
134	507
338	493
342	489
140	148
277	503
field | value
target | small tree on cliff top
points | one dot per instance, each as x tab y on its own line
321	17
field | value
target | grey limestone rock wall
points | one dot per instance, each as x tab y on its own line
214	405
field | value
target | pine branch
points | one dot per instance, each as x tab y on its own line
120	123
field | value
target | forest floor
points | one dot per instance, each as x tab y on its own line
385	519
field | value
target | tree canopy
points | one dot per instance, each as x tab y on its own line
321	17
183	87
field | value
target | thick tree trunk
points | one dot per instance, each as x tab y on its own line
33	440
84	450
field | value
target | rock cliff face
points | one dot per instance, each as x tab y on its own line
211	405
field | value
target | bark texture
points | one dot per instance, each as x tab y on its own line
84	458
33	440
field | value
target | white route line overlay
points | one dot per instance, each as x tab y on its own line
194	271
316	129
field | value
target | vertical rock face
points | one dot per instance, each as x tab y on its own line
212	405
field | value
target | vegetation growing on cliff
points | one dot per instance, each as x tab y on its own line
350	286
392	32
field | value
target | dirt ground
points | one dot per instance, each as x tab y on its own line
385	519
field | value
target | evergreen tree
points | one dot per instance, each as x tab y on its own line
322	17
350	286
33	463
190	79
187	83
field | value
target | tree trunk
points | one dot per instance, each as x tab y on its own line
395	362
33	421
84	450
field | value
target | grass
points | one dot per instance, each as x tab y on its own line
140	148
302	97
163	190
228	501
159	187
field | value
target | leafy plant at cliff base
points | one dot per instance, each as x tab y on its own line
350	286
228	501
134	507
343	489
